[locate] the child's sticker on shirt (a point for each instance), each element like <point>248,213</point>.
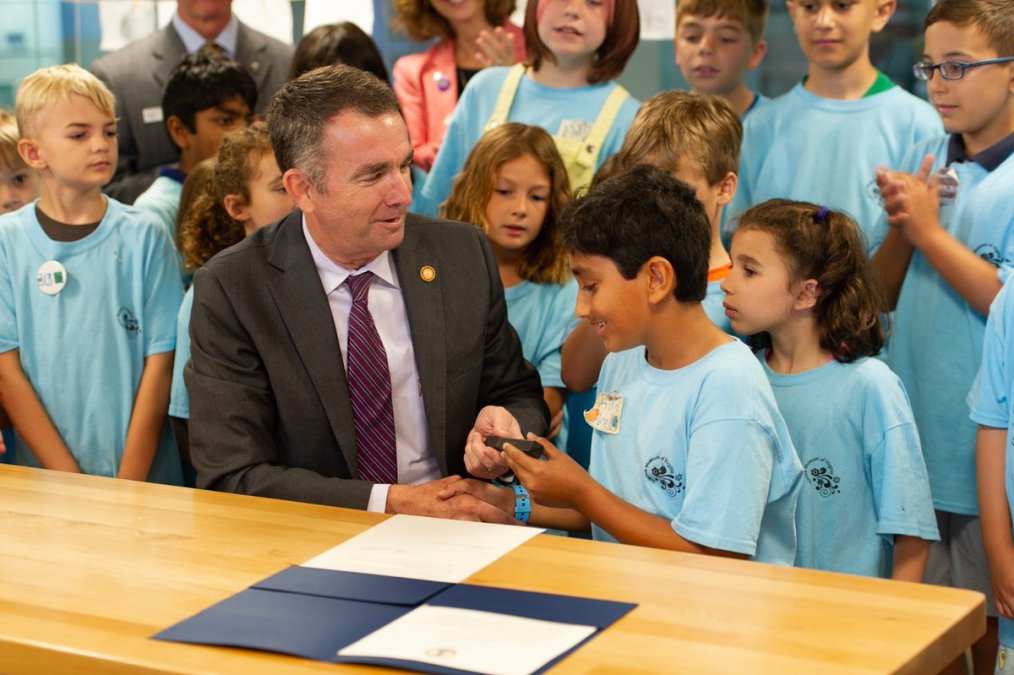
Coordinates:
<point>605,414</point>
<point>574,129</point>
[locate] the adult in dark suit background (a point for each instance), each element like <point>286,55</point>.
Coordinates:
<point>270,401</point>
<point>137,73</point>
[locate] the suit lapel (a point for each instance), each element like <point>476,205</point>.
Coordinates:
<point>249,52</point>
<point>425,307</point>
<point>168,51</point>
<point>305,311</point>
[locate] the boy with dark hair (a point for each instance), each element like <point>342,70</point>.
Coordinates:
<point>689,451</point>
<point>717,42</point>
<point>207,96</point>
<point>944,260</point>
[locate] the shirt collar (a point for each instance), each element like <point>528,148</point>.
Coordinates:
<point>192,40</point>
<point>989,159</point>
<point>332,275</point>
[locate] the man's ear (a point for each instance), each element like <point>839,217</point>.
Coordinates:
<point>661,278</point>
<point>28,150</point>
<point>178,132</point>
<point>299,187</point>
<point>807,295</point>
<point>237,207</point>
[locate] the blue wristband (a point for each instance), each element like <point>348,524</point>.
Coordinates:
<point>522,503</point>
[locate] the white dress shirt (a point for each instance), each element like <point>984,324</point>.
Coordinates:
<point>417,462</point>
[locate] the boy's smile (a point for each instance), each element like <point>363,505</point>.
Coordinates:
<point>616,307</point>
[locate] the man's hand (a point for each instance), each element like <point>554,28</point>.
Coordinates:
<point>912,202</point>
<point>558,481</point>
<point>495,48</point>
<point>481,460</point>
<point>425,500</point>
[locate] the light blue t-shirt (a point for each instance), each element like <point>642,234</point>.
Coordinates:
<point>179,398</point>
<point>826,151</point>
<point>991,401</point>
<point>84,348</point>
<point>543,316</point>
<point>564,112</point>
<point>162,200</point>
<point>936,345</point>
<point>704,446</point>
<point>852,427</point>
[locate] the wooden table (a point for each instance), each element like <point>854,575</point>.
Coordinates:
<point>91,567</point>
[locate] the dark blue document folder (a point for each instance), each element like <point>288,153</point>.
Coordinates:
<point>314,613</point>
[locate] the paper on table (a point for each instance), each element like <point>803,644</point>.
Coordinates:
<point>424,548</point>
<point>466,639</point>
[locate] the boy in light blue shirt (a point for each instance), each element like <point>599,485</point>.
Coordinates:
<point>689,451</point>
<point>206,96</point>
<point>949,249</point>
<point>89,291</point>
<point>993,410</point>
<point>822,141</point>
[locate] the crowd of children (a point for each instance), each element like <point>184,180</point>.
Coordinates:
<point>784,309</point>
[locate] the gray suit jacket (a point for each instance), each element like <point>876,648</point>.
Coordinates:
<point>137,75</point>
<point>269,405</point>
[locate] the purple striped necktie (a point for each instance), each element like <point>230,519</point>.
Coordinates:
<point>370,389</point>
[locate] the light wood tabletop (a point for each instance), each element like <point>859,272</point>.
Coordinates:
<point>91,567</point>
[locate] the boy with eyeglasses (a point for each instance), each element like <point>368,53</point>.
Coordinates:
<point>949,250</point>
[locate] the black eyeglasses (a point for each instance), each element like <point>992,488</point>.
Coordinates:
<point>951,70</point>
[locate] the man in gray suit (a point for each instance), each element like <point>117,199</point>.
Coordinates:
<point>137,74</point>
<point>272,409</point>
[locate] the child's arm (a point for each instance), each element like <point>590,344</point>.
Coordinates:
<point>910,554</point>
<point>504,499</point>
<point>554,397</point>
<point>582,357</point>
<point>30,417</point>
<point>913,206</point>
<point>561,483</point>
<point>991,466</point>
<point>148,417</point>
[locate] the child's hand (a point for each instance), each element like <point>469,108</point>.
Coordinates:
<point>496,48</point>
<point>557,481</point>
<point>912,202</point>
<point>1002,580</point>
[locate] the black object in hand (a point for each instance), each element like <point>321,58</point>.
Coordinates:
<point>530,448</point>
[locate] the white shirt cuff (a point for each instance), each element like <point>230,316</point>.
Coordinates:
<point>378,499</point>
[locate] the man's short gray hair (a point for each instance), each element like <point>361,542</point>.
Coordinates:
<point>302,108</point>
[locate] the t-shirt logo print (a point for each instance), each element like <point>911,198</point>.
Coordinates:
<point>128,321</point>
<point>820,474</point>
<point>660,471</point>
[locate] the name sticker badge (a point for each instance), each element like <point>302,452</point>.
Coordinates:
<point>51,277</point>
<point>152,115</point>
<point>605,414</point>
<point>574,129</point>
<point>947,185</point>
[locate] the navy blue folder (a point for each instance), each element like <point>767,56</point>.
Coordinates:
<point>314,613</point>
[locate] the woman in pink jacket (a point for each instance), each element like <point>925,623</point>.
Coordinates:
<point>474,34</point>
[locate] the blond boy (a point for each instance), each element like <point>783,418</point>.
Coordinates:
<point>88,296</point>
<point>717,42</point>
<point>19,184</point>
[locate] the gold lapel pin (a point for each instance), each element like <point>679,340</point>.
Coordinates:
<point>427,273</point>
